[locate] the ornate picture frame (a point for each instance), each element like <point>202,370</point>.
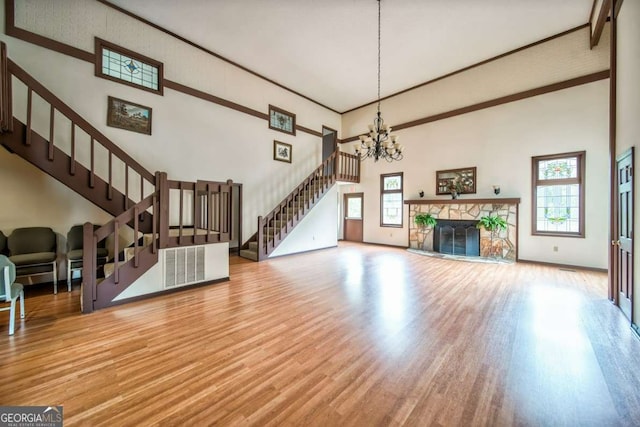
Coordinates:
<point>462,180</point>
<point>282,120</point>
<point>282,151</point>
<point>128,116</point>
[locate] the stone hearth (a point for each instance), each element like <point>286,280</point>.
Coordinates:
<point>505,243</point>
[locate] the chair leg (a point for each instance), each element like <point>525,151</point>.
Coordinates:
<point>12,319</point>
<point>68,276</point>
<point>22,312</point>
<point>55,277</point>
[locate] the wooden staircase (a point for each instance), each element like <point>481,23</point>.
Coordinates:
<point>280,222</point>
<point>138,199</point>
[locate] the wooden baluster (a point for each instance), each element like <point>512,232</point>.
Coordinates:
<point>136,212</point>
<point>51,122</point>
<point>110,186</point>
<point>116,251</point>
<point>260,239</point>
<point>92,175</point>
<point>162,188</point>
<point>29,114</point>
<point>193,215</point>
<point>88,272</point>
<point>142,187</point>
<point>210,215</point>
<point>72,162</point>
<point>126,187</point>
<point>154,221</point>
<point>180,186</point>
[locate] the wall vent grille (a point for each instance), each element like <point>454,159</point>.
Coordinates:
<point>183,266</point>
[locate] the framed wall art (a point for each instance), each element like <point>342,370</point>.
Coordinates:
<point>129,116</point>
<point>282,120</point>
<point>282,151</point>
<point>459,181</point>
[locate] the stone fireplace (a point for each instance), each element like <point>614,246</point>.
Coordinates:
<point>457,219</point>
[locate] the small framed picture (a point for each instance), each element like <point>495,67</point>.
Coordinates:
<point>282,120</point>
<point>282,151</point>
<point>129,116</point>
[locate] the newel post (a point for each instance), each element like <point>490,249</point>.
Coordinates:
<point>88,288</point>
<point>260,239</point>
<point>162,189</point>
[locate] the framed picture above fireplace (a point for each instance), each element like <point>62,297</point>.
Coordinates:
<point>461,181</point>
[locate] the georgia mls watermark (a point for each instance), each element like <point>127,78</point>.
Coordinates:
<point>30,416</point>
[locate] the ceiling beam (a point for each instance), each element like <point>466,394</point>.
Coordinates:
<point>605,7</point>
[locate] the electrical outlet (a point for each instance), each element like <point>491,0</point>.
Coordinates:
<point>555,249</point>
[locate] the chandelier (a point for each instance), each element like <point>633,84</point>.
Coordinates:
<point>379,143</point>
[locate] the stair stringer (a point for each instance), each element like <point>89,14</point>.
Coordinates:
<point>128,273</point>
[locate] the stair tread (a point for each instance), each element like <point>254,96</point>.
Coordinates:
<point>249,254</point>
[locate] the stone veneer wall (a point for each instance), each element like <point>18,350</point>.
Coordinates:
<point>504,242</point>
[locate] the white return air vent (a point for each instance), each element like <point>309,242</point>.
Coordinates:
<point>183,266</point>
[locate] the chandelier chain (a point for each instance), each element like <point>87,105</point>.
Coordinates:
<point>379,23</point>
<point>379,143</point>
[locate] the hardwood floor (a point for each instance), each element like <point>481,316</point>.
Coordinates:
<point>357,335</point>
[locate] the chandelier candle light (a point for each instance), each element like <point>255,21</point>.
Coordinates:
<point>379,143</point>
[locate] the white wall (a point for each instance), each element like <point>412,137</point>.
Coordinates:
<point>501,140</point>
<point>317,230</point>
<point>152,281</point>
<point>628,106</point>
<point>192,139</point>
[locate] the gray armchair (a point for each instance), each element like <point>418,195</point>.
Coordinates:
<point>74,252</point>
<point>33,251</point>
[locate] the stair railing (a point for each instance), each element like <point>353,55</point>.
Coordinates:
<point>348,167</point>
<point>199,213</point>
<point>91,297</point>
<point>58,108</point>
<point>278,223</point>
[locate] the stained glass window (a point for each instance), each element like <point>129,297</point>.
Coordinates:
<point>282,120</point>
<point>559,194</point>
<point>391,200</point>
<point>122,65</point>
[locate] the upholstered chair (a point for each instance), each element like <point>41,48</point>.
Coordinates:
<point>33,251</point>
<point>10,291</point>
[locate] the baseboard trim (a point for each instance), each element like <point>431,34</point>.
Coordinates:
<point>167,292</point>
<point>386,245</point>
<point>552,264</point>
<point>298,253</point>
<point>636,330</point>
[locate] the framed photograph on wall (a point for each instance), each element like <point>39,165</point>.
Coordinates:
<point>282,120</point>
<point>129,116</point>
<point>282,151</point>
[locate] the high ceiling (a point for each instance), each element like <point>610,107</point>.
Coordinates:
<point>327,49</point>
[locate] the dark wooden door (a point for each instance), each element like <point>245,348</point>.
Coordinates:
<point>329,145</point>
<point>353,206</point>
<point>624,243</point>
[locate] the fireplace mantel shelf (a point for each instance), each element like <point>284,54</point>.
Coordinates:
<point>496,200</point>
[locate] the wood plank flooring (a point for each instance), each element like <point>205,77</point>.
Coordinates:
<point>358,335</point>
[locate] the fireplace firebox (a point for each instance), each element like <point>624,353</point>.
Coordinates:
<point>457,237</point>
